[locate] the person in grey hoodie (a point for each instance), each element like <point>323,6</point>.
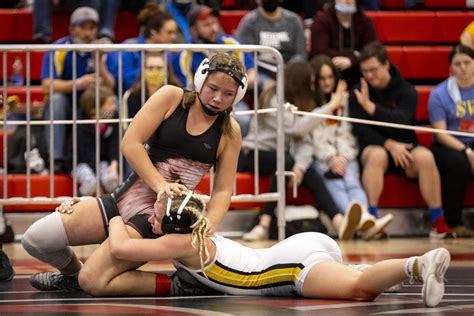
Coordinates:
<point>298,145</point>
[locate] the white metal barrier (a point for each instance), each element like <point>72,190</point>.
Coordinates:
<point>6,199</point>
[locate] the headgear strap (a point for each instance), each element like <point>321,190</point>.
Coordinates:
<point>181,206</point>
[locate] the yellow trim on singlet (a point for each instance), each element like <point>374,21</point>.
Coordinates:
<point>265,278</point>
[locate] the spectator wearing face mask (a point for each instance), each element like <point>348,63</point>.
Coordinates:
<point>156,27</point>
<point>154,79</point>
<point>341,31</point>
<point>271,25</point>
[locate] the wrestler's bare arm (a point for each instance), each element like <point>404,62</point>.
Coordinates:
<point>170,246</point>
<point>225,176</point>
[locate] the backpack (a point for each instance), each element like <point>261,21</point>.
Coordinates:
<point>299,219</point>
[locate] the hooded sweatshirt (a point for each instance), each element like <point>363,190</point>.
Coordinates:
<point>396,103</point>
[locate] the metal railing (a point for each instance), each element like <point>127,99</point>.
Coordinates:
<point>5,199</point>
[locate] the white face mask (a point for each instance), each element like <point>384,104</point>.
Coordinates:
<point>345,8</point>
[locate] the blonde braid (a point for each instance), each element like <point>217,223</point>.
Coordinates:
<point>199,241</point>
<point>199,233</point>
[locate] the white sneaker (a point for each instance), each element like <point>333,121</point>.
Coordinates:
<point>432,266</point>
<point>256,234</point>
<point>367,221</point>
<point>350,222</point>
<point>380,225</point>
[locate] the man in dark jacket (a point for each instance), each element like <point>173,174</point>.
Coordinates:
<point>383,95</point>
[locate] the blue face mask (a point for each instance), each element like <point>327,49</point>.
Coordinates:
<point>346,8</point>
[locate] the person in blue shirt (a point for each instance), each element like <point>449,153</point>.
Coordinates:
<point>84,24</point>
<point>450,108</point>
<point>158,27</point>
<point>206,29</point>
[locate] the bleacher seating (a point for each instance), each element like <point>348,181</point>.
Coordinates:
<point>437,26</point>
<point>417,41</point>
<point>17,25</point>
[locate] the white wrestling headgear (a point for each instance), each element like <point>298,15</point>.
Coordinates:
<point>205,67</point>
<point>183,223</point>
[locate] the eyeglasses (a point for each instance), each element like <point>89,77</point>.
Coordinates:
<point>370,70</point>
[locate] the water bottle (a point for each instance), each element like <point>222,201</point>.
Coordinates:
<point>17,78</point>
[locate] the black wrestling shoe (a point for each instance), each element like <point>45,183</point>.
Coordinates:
<point>184,283</point>
<point>54,281</point>
<point>6,270</point>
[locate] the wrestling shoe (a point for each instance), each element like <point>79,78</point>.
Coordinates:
<point>257,233</point>
<point>6,270</point>
<point>431,269</point>
<point>54,281</point>
<point>183,283</point>
<point>380,225</point>
<point>350,222</point>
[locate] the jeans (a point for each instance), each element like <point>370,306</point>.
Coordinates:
<point>62,110</point>
<point>108,12</point>
<point>346,189</point>
<point>311,180</point>
<point>42,10</point>
<point>243,120</point>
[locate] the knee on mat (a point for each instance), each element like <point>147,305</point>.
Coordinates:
<point>47,241</point>
<point>362,293</point>
<point>91,283</point>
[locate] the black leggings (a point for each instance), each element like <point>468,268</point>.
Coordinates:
<point>455,172</point>
<point>311,180</point>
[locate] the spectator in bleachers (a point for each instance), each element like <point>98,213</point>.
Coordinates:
<point>467,36</point>
<point>206,29</point>
<point>83,29</point>
<point>158,28</point>
<point>298,149</point>
<point>383,95</point>
<point>86,143</point>
<point>450,108</point>
<point>43,9</point>
<point>336,149</point>
<point>154,79</point>
<point>179,9</point>
<point>271,25</point>
<point>341,31</point>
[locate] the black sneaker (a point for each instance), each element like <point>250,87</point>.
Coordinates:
<point>6,270</point>
<point>54,281</point>
<point>184,283</point>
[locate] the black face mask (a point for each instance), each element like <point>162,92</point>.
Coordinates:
<point>207,110</point>
<point>270,5</point>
